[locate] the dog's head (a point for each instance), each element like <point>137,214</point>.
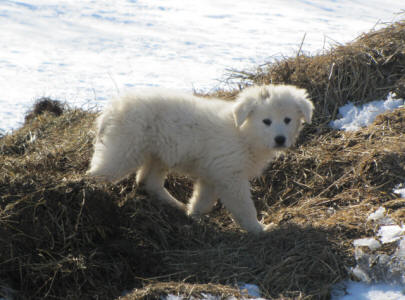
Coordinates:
<point>272,115</point>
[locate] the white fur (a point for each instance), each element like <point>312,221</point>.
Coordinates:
<point>220,144</point>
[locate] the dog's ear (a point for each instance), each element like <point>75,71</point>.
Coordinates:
<point>246,102</point>
<point>306,108</point>
<point>242,110</point>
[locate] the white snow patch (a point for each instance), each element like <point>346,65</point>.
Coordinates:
<point>382,276</point>
<point>354,117</point>
<point>363,291</point>
<point>391,233</point>
<point>377,215</point>
<point>400,190</point>
<point>380,218</point>
<point>372,243</point>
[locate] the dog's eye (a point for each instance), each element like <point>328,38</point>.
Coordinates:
<point>267,122</point>
<point>287,120</point>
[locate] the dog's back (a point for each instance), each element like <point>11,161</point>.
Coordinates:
<point>173,127</point>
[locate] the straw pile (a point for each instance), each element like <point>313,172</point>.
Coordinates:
<point>63,236</point>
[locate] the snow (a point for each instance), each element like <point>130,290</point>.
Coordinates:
<point>371,243</point>
<point>400,190</point>
<point>380,218</point>
<point>377,215</point>
<point>382,276</point>
<point>354,117</point>
<point>391,233</point>
<point>364,291</point>
<point>85,52</point>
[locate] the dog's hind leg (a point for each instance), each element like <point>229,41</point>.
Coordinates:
<point>143,172</point>
<point>203,199</point>
<point>114,159</point>
<point>152,177</point>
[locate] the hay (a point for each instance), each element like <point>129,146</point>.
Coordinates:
<point>185,290</point>
<point>45,104</point>
<point>65,236</point>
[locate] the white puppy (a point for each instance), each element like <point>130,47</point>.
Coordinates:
<point>220,144</point>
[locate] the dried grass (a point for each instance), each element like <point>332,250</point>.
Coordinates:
<point>156,289</point>
<point>63,236</point>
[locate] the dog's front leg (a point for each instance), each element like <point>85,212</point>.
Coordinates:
<point>237,199</point>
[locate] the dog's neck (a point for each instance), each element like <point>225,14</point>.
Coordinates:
<point>258,160</point>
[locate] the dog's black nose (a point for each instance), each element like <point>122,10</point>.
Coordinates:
<point>280,140</point>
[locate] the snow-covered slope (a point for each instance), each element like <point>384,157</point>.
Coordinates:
<point>84,52</point>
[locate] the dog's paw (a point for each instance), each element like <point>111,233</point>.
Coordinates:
<point>195,216</point>
<point>269,227</point>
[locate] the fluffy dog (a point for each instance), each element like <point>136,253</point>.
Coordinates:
<point>220,144</point>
